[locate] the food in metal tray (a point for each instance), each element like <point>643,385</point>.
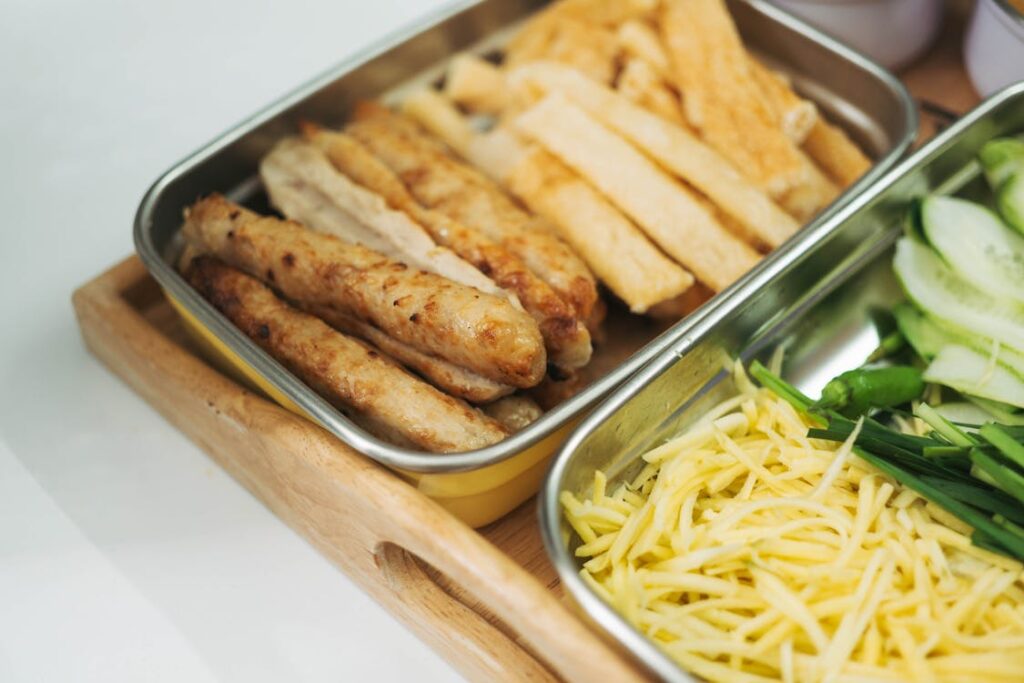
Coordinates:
<point>876,533</point>
<point>752,548</point>
<point>358,378</point>
<point>470,235</point>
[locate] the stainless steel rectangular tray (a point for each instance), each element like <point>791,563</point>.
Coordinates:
<point>869,102</point>
<point>814,296</point>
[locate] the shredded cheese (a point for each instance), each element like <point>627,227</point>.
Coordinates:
<point>752,553</point>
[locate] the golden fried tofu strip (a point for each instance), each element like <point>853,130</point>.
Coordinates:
<point>370,388</point>
<point>591,49</point>
<point>606,12</point>
<point>669,213</point>
<point>618,252</point>
<point>807,199</point>
<point>578,42</point>
<point>463,325</point>
<point>305,187</point>
<point>671,146</point>
<point>639,83</point>
<point>476,84</point>
<point>534,39</point>
<point>440,118</point>
<point>721,98</point>
<point>795,115</point>
<point>566,338</point>
<point>640,41</point>
<point>682,305</point>
<point>837,155</point>
<point>450,378</point>
<point>464,194</point>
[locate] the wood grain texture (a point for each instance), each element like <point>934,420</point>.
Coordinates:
<point>488,602</point>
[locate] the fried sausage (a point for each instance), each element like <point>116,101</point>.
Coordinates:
<point>567,339</point>
<point>478,331</point>
<point>448,377</point>
<point>359,380</point>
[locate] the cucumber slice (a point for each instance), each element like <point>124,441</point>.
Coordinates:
<point>963,413</point>
<point>1001,158</point>
<point>920,331</point>
<point>970,372</point>
<point>976,244</point>
<point>927,337</point>
<point>1010,200</point>
<point>1002,413</point>
<point>942,294</point>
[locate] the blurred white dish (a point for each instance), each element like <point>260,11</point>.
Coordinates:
<point>891,32</point>
<point>994,47</point>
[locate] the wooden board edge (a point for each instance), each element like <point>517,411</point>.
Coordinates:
<point>368,522</point>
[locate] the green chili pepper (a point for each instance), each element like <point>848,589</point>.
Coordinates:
<point>855,392</point>
<point>891,344</point>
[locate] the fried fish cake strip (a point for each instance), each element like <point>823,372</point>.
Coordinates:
<point>673,147</point>
<point>720,96</point>
<point>618,252</point>
<point>837,155</point>
<point>668,212</point>
<point>795,115</point>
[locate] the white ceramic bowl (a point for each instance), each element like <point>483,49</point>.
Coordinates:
<point>994,47</point>
<point>891,32</point>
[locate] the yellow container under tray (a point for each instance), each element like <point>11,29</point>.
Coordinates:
<point>477,497</point>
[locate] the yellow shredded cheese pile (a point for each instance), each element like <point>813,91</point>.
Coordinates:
<point>752,553</point>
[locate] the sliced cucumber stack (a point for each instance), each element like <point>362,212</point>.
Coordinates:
<point>976,244</point>
<point>1001,158</point>
<point>1010,200</point>
<point>973,373</point>
<point>948,298</point>
<point>1003,162</point>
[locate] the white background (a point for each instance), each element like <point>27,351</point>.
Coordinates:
<point>125,554</point>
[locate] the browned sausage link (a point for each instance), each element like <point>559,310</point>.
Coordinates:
<point>478,331</point>
<point>462,193</point>
<point>448,377</point>
<point>347,372</point>
<point>567,339</point>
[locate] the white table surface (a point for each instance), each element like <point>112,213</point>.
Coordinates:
<point>125,554</point>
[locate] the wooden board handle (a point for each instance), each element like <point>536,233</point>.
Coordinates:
<point>429,569</point>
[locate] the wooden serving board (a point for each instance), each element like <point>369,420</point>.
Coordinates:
<point>486,600</point>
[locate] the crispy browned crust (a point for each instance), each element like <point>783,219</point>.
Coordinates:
<point>721,98</point>
<point>440,182</point>
<point>366,385</point>
<point>469,328</point>
<point>448,377</point>
<point>566,338</point>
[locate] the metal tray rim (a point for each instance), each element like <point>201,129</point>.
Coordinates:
<point>549,512</point>
<point>420,461</point>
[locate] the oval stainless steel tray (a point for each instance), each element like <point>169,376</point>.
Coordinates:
<point>867,101</point>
